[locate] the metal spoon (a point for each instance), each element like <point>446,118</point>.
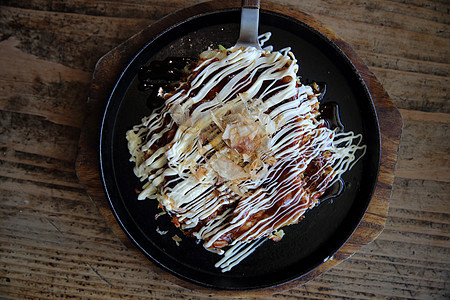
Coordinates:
<point>248,36</point>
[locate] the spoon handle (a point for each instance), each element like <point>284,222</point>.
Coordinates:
<point>248,35</point>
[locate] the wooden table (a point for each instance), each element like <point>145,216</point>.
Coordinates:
<point>55,243</point>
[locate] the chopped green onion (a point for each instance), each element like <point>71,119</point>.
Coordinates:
<point>222,48</point>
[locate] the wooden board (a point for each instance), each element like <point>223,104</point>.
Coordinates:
<point>55,243</point>
<point>111,65</point>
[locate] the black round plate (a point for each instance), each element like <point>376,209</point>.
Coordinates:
<point>306,245</point>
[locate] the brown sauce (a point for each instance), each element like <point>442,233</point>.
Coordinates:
<point>330,113</point>
<point>333,191</point>
<point>161,74</point>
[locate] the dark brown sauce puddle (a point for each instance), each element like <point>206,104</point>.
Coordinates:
<point>161,76</point>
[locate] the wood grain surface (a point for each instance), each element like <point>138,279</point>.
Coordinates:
<point>54,242</point>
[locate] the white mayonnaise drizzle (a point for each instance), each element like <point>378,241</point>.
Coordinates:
<point>241,151</point>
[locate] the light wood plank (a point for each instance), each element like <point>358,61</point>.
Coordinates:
<point>425,147</point>
<point>68,39</point>
<point>34,134</point>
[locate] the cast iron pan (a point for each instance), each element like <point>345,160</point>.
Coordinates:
<point>306,245</point>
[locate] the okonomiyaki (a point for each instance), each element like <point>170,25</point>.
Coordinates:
<point>238,150</point>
